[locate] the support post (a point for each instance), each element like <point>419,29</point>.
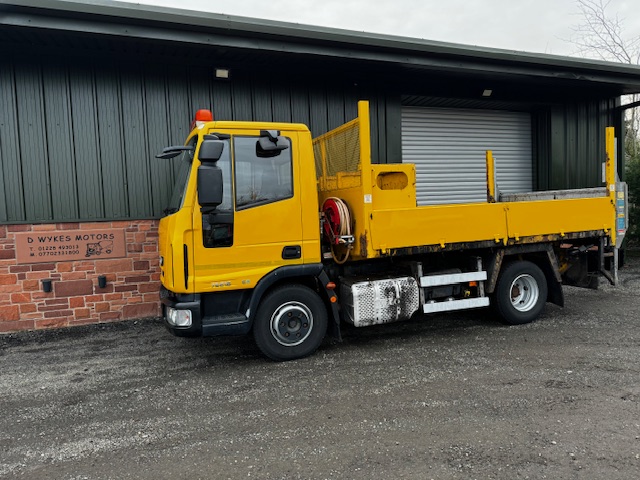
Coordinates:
<point>491,178</point>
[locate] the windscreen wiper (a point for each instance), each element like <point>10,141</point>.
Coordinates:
<point>170,210</point>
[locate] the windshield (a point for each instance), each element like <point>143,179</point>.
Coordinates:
<point>182,168</point>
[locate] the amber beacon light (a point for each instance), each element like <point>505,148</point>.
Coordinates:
<point>202,116</point>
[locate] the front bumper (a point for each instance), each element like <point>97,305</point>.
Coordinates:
<point>189,303</point>
<point>209,325</point>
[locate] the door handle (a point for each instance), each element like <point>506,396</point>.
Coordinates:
<point>291,252</point>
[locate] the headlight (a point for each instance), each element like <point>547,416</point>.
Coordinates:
<point>179,318</point>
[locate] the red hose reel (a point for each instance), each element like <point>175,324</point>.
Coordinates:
<point>332,221</point>
<point>336,228</point>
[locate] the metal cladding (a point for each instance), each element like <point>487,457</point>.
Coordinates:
<point>89,92</point>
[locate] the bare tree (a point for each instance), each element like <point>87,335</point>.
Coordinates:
<point>602,35</point>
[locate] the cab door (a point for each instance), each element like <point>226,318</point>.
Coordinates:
<point>258,228</point>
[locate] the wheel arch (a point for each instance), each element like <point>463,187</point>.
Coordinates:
<point>312,276</point>
<point>542,255</point>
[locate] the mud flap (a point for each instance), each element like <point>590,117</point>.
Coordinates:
<point>551,271</point>
<point>333,327</point>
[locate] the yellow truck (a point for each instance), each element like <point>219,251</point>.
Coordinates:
<point>272,232</point>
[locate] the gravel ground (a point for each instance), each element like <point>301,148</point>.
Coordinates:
<point>447,396</point>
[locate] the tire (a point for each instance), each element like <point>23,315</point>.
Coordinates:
<point>521,293</point>
<point>290,323</point>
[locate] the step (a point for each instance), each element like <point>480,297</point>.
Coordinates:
<point>452,278</point>
<point>448,306</point>
<point>228,319</point>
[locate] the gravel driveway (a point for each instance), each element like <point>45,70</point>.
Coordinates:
<point>447,396</point>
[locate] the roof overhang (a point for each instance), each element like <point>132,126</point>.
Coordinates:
<point>135,21</point>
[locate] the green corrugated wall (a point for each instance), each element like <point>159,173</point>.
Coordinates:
<point>78,138</point>
<point>570,146</point>
<point>77,141</point>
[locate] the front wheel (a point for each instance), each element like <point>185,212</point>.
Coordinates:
<point>290,323</point>
<point>521,293</point>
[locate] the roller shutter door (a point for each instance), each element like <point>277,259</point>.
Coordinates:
<point>448,147</point>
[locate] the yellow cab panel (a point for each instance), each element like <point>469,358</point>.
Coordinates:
<point>259,225</point>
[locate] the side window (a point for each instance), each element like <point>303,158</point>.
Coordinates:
<point>217,226</point>
<point>261,180</point>
<point>225,165</point>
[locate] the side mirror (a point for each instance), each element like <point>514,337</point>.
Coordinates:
<point>174,151</point>
<point>209,185</point>
<point>271,143</point>
<point>210,150</point>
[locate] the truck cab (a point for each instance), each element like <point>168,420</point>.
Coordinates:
<point>242,208</point>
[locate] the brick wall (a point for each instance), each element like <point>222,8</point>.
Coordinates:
<point>132,282</point>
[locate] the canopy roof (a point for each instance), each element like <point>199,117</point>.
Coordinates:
<point>31,21</point>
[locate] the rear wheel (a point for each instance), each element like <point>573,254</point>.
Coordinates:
<point>521,293</point>
<point>290,323</point>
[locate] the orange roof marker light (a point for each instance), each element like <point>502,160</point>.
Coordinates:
<point>202,116</point>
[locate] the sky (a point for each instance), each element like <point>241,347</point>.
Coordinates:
<point>541,26</point>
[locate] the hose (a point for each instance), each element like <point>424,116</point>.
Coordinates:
<point>344,225</point>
